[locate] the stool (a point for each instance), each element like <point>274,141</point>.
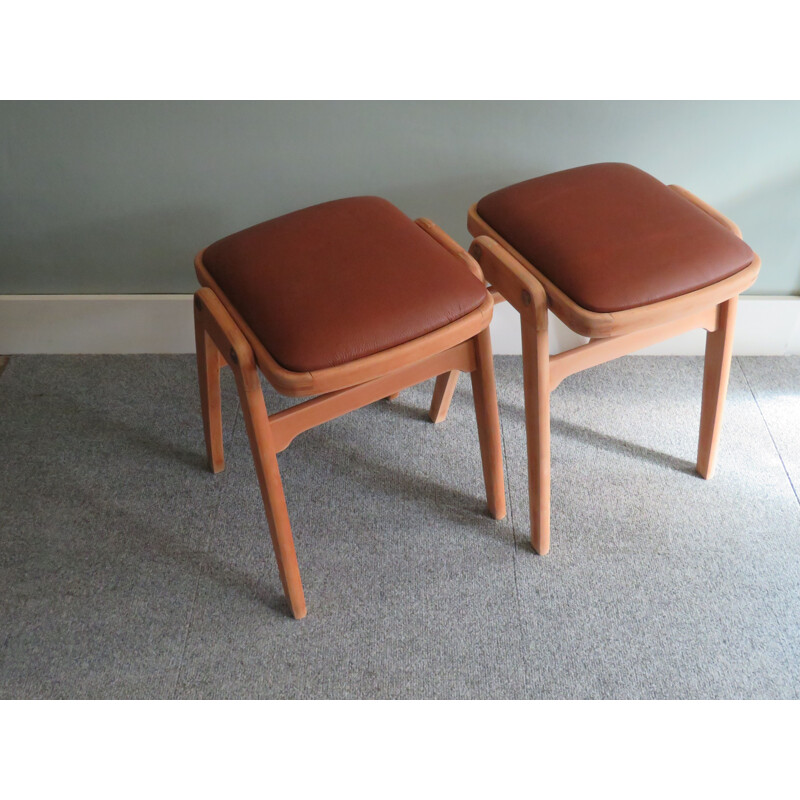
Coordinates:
<point>349,301</point>
<point>621,259</point>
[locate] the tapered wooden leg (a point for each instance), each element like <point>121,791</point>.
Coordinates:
<point>393,396</point>
<point>269,480</point>
<point>485,395</point>
<point>209,362</point>
<point>442,395</point>
<point>215,326</point>
<point>719,348</point>
<point>536,378</point>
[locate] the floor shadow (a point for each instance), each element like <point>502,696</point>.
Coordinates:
<point>592,438</point>
<point>400,409</point>
<point>70,413</point>
<point>613,444</point>
<point>446,502</point>
<point>120,534</point>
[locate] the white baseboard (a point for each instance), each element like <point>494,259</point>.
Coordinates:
<point>765,326</point>
<point>163,323</point>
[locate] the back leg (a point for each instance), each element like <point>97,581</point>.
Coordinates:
<point>442,395</point>
<point>209,361</point>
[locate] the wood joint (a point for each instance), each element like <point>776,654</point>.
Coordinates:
<point>512,280</point>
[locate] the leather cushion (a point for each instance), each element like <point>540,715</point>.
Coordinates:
<point>338,281</point>
<point>612,237</point>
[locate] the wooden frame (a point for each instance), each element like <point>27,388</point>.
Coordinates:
<point>596,324</point>
<point>611,335</point>
<point>222,337</point>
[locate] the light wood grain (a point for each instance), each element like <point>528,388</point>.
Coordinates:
<point>598,351</point>
<point>485,398</point>
<point>716,371</point>
<point>209,361</point>
<point>303,384</point>
<point>612,335</point>
<point>442,395</point>
<point>597,325</point>
<point>222,336</point>
<point>292,421</point>
<point>536,382</point>
<point>512,280</point>
<point>222,330</point>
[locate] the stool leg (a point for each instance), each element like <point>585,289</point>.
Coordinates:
<point>485,396</point>
<point>269,480</point>
<point>719,349</point>
<point>209,361</point>
<point>442,395</point>
<point>215,326</point>
<point>536,378</point>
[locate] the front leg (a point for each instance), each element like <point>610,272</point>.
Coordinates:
<point>717,369</point>
<point>516,284</point>
<point>217,325</point>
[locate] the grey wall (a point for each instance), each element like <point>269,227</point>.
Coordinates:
<point>106,197</point>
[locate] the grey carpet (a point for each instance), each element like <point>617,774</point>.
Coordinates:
<point>128,570</point>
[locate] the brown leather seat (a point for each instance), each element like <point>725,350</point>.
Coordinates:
<point>612,237</point>
<point>340,281</point>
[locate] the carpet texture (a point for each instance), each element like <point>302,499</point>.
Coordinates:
<point>128,570</point>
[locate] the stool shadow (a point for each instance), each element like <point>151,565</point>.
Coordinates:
<point>593,438</point>
<point>449,503</point>
<point>405,410</point>
<point>612,444</point>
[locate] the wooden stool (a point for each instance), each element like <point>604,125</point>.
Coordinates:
<point>622,259</point>
<point>350,301</point>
